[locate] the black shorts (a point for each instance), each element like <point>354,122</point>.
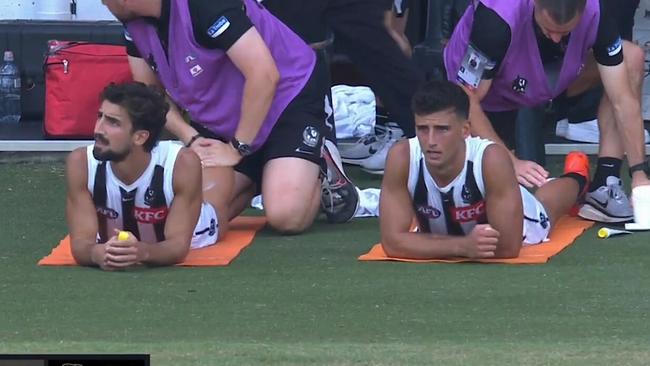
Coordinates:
<point>298,133</point>
<point>624,14</point>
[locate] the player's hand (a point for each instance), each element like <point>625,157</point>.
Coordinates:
<point>481,243</point>
<point>529,173</point>
<point>214,153</point>
<point>122,253</point>
<point>99,257</point>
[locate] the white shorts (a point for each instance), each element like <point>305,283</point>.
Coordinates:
<point>537,225</point>
<point>206,231</point>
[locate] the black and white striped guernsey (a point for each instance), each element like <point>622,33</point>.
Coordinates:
<point>140,207</point>
<point>459,206</point>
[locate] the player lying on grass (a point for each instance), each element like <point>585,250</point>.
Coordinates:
<point>129,181</point>
<point>463,190</point>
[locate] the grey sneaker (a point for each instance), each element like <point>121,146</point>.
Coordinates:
<point>376,162</point>
<point>339,196</point>
<point>356,152</point>
<point>608,203</point>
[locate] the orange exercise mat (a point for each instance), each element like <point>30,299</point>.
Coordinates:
<point>241,234</point>
<point>563,234</point>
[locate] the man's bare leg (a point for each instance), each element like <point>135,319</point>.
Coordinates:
<point>244,192</point>
<point>611,139</point>
<point>291,189</point>
<point>606,200</point>
<point>217,190</point>
<point>558,196</point>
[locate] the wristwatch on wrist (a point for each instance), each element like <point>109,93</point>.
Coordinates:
<point>641,167</point>
<point>194,138</point>
<point>242,148</point>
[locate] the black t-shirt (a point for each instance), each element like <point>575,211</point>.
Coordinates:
<point>305,17</point>
<point>494,43</point>
<point>216,24</point>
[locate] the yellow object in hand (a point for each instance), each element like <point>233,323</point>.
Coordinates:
<point>123,236</point>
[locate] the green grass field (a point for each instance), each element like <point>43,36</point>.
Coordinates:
<point>306,300</point>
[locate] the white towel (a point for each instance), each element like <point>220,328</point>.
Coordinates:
<point>354,110</point>
<point>368,203</point>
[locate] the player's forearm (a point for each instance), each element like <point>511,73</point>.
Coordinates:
<point>630,127</point>
<point>508,248</point>
<point>423,246</point>
<point>506,217</point>
<point>259,91</point>
<point>164,253</point>
<point>509,224</point>
<point>86,252</point>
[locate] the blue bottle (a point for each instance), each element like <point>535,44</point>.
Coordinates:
<point>9,90</point>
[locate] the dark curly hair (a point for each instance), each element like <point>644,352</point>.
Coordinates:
<point>146,106</point>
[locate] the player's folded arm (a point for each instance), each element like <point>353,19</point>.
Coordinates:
<point>395,207</point>
<point>81,213</point>
<point>503,200</point>
<point>183,213</point>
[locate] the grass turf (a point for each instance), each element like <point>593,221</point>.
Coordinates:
<point>305,299</point>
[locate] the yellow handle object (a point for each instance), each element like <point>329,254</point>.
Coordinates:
<point>607,232</point>
<point>602,233</point>
<point>123,236</point>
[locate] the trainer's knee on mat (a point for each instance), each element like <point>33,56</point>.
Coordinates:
<point>288,222</point>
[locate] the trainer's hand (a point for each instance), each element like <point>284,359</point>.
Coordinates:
<point>202,147</point>
<point>481,243</point>
<point>214,153</point>
<point>529,173</point>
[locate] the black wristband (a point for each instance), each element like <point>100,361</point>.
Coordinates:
<point>194,138</point>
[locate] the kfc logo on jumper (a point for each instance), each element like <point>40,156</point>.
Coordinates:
<point>150,215</point>
<point>469,213</point>
<point>429,212</point>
